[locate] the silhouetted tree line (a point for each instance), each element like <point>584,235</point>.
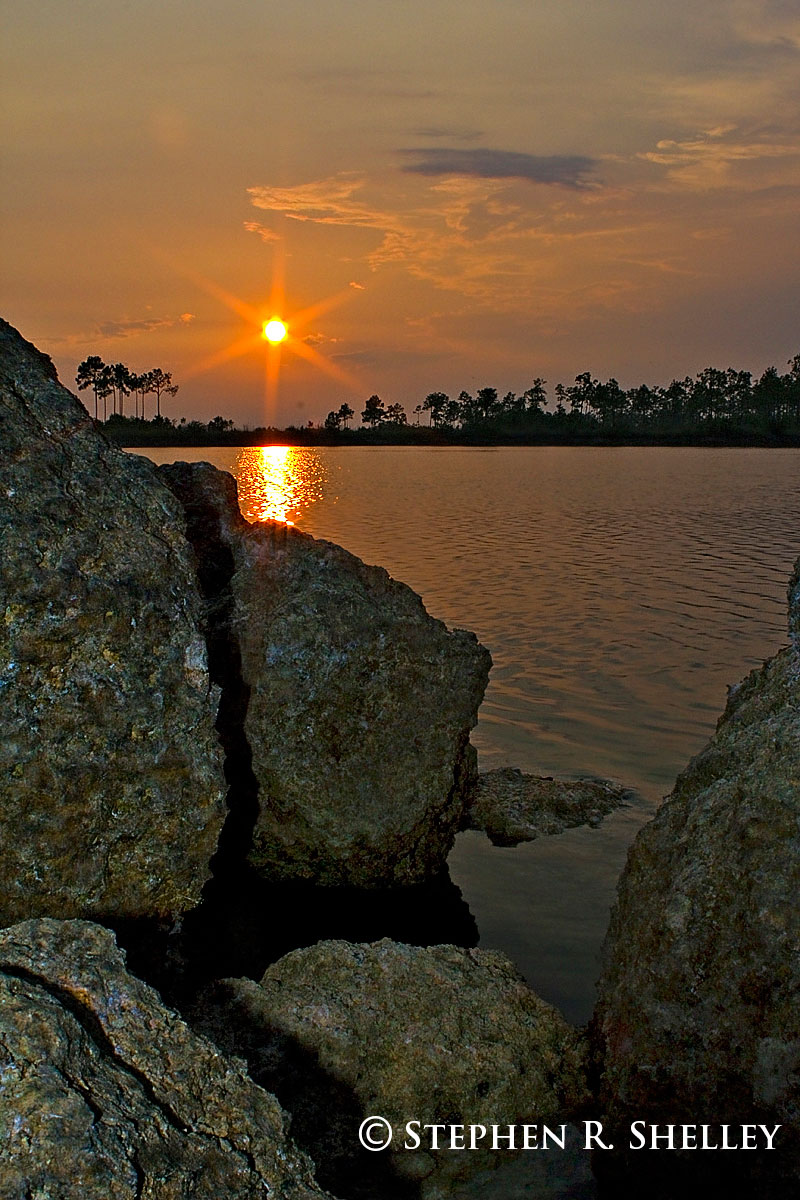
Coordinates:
<point>118,382</point>
<point>713,401</point>
<point>715,406</point>
<point>723,403</point>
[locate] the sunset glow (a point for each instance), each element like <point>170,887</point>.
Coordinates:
<point>640,224</point>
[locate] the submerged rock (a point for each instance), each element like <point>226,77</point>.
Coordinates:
<point>357,704</point>
<point>110,773</point>
<point>107,1095</point>
<point>698,1011</point>
<point>434,1034</point>
<point>511,807</point>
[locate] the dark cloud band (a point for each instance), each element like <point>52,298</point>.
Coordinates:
<point>567,170</point>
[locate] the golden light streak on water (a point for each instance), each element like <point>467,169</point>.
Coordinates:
<point>278,483</point>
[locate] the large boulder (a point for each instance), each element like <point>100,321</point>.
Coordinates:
<point>111,789</point>
<point>698,1013</point>
<point>433,1034</point>
<point>107,1095</point>
<point>358,704</point>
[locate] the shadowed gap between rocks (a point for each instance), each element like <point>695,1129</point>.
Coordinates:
<point>243,922</point>
<point>215,567</point>
<point>325,1113</point>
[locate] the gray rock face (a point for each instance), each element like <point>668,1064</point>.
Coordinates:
<point>110,774</point>
<point>511,807</point>
<point>435,1034</point>
<point>360,704</point>
<point>107,1095</point>
<point>794,606</point>
<point>698,1010</point>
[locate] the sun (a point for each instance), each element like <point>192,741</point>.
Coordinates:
<point>291,337</point>
<point>274,331</point>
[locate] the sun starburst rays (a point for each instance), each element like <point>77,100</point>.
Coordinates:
<point>245,344</point>
<point>334,370</point>
<point>270,329</point>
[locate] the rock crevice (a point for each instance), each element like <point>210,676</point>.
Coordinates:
<point>209,528</point>
<point>358,703</point>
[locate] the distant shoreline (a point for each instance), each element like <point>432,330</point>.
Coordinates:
<point>413,436</point>
<point>715,409</point>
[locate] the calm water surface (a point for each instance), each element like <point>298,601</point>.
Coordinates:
<point>620,592</point>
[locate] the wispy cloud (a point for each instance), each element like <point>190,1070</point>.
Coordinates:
<point>266,234</point>
<point>727,157</point>
<point>126,329</point>
<point>107,331</point>
<point>492,240</point>
<point>319,339</point>
<point>328,201</point>
<point>568,170</point>
<point>123,329</point>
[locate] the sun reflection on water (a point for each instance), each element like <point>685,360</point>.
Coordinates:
<point>279,483</point>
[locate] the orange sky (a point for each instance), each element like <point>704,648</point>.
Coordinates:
<point>488,192</point>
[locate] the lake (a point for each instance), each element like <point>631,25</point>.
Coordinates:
<point>619,590</point>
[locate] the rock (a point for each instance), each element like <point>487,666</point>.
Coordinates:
<point>110,773</point>
<point>794,606</point>
<point>359,705</point>
<point>435,1034</point>
<point>511,807</point>
<point>698,1005</point>
<point>107,1095</point>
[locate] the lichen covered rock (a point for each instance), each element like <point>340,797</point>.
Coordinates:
<point>434,1034</point>
<point>110,773</point>
<point>511,807</point>
<point>107,1095</point>
<point>360,703</point>
<point>698,1008</point>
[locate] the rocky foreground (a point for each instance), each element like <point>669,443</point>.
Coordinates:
<point>112,784</point>
<point>159,653</point>
<point>106,1093</point>
<point>425,1033</point>
<point>699,1000</point>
